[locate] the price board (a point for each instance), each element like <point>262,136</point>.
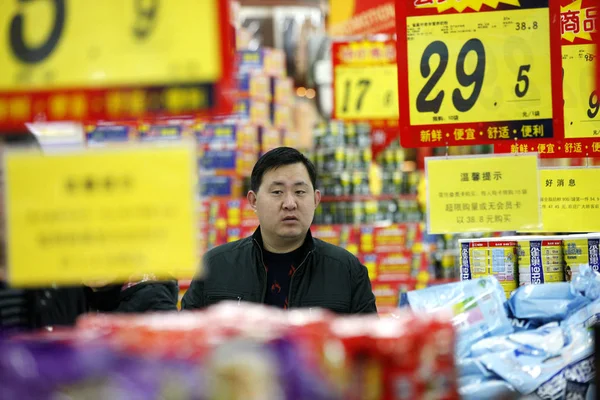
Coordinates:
<point>101,215</point>
<point>365,86</point>
<point>581,101</point>
<point>482,193</point>
<point>477,71</point>
<point>113,59</point>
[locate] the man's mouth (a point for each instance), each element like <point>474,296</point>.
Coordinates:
<point>290,218</point>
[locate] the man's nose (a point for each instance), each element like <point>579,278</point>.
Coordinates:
<point>289,202</point>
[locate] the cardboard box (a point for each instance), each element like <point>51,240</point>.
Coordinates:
<point>254,111</point>
<point>268,61</point>
<point>255,86</point>
<point>282,90</point>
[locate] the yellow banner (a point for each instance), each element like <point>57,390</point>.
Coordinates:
<point>74,43</point>
<point>482,194</point>
<point>105,215</point>
<point>570,200</point>
<point>479,67</point>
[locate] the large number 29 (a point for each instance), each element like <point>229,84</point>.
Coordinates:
<point>476,78</point>
<point>33,54</point>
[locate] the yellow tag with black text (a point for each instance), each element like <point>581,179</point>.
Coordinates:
<point>479,67</point>
<point>101,215</point>
<point>494,193</point>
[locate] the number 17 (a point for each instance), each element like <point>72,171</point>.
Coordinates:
<point>363,86</point>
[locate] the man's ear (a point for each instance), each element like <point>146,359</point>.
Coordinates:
<point>251,196</point>
<point>317,198</point>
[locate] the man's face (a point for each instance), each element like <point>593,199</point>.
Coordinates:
<point>285,202</point>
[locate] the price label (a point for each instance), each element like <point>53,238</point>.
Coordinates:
<point>96,215</point>
<point>77,60</point>
<point>570,200</point>
<point>365,81</point>
<point>482,194</point>
<point>475,76</point>
<point>580,102</point>
<point>70,43</point>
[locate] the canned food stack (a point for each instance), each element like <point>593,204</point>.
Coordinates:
<point>540,260</point>
<point>580,250</point>
<point>490,257</point>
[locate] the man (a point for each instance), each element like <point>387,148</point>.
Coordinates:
<point>281,264</point>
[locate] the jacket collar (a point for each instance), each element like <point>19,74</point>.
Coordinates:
<point>308,245</point>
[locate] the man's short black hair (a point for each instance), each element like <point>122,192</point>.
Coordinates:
<point>279,157</point>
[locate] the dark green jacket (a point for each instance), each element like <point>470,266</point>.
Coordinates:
<point>329,277</point>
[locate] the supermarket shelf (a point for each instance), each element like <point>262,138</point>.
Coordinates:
<point>382,197</point>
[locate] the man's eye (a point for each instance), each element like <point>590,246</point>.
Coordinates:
<point>276,192</point>
<point>300,192</point>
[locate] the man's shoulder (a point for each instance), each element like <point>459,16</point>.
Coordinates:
<point>328,250</point>
<point>229,248</point>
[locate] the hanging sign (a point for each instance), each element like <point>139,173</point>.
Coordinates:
<point>581,101</point>
<point>112,59</point>
<point>101,215</point>
<point>482,193</point>
<point>365,86</point>
<point>477,71</point>
<point>570,199</point>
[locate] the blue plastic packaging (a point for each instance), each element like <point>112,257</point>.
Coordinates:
<point>477,307</point>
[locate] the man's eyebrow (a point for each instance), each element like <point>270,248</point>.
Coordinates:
<point>279,183</point>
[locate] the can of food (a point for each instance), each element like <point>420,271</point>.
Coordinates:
<point>490,257</point>
<point>581,250</point>
<point>540,260</point>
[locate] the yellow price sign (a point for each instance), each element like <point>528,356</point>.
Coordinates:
<point>476,72</point>
<point>570,200</point>
<point>491,66</point>
<point>365,81</point>
<point>101,215</point>
<point>482,194</point>
<point>581,100</point>
<point>79,44</point>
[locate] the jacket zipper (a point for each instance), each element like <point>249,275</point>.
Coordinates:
<point>292,279</point>
<point>262,262</point>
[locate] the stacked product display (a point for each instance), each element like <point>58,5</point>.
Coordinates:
<point>529,260</point>
<point>538,343</point>
<point>233,351</point>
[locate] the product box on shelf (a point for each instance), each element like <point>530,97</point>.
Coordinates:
<point>387,294</point>
<point>239,161</point>
<point>282,116</point>
<point>254,85</point>
<point>268,61</point>
<point>165,131</point>
<point>220,185</point>
<point>268,138</point>
<point>105,134</point>
<point>230,135</point>
<point>282,90</point>
<point>393,266</point>
<point>257,112</point>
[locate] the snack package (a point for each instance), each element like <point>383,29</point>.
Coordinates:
<point>477,307</point>
<point>555,302</point>
<point>550,362</point>
<point>585,317</point>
